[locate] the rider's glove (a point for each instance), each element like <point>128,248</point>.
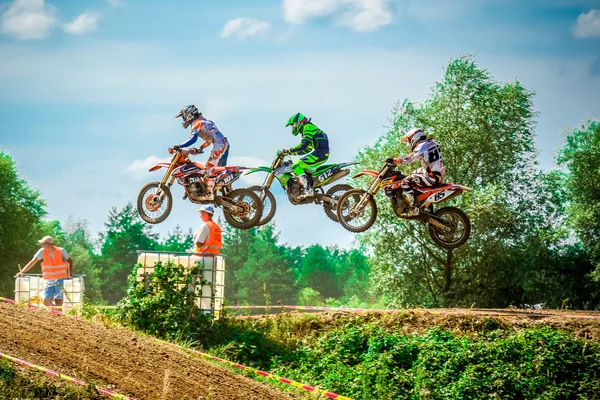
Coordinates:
<point>391,160</point>
<point>176,147</point>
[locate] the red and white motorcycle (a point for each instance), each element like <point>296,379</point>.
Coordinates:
<point>449,227</point>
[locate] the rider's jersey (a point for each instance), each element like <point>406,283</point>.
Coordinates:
<point>313,140</point>
<point>428,152</point>
<point>207,130</point>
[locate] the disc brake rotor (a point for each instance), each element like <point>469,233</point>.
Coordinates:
<point>151,203</point>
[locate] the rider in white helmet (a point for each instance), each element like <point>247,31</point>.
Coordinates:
<point>432,171</point>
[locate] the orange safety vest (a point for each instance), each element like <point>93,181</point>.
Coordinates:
<point>56,269</point>
<point>214,243</point>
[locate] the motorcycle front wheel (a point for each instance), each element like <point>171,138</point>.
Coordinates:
<point>460,228</point>
<point>250,209</point>
<point>154,202</point>
<point>356,220</point>
<point>269,204</point>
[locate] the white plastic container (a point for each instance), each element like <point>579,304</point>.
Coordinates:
<point>73,291</point>
<point>22,289</point>
<point>209,297</point>
<point>149,259</point>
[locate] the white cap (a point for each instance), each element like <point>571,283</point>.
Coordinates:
<point>207,208</point>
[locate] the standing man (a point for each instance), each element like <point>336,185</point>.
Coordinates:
<point>57,266</point>
<point>208,239</point>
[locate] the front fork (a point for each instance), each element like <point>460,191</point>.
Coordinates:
<point>266,185</point>
<point>168,176</point>
<point>372,191</point>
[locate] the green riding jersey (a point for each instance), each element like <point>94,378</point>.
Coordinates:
<point>315,142</point>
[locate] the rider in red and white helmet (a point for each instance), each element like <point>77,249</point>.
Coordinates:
<point>432,171</point>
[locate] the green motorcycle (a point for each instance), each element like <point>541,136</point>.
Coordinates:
<point>317,178</point>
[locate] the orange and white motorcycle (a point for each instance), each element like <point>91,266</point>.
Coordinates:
<point>449,227</point>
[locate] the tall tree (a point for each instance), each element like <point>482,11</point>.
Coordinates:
<point>125,234</point>
<point>21,210</point>
<point>236,248</point>
<point>319,271</point>
<point>266,276</point>
<point>485,131</point>
<point>177,241</point>
<point>581,157</point>
<point>77,241</point>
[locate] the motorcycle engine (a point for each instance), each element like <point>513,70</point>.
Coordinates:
<point>294,190</point>
<point>196,188</point>
<point>399,205</point>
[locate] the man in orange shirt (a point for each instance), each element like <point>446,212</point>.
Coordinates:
<point>208,239</point>
<point>57,266</point>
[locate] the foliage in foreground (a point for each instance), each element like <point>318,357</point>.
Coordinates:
<point>366,357</point>
<point>367,361</point>
<point>16,384</point>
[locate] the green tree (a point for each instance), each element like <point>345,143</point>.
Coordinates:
<point>125,234</point>
<point>266,275</point>
<point>77,241</point>
<point>319,271</point>
<point>485,131</point>
<point>177,241</point>
<point>21,210</point>
<point>581,157</point>
<point>236,248</point>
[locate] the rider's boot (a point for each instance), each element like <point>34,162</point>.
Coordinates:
<point>409,196</point>
<point>210,186</point>
<point>308,191</point>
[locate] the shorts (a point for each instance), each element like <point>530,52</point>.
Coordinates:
<point>53,289</point>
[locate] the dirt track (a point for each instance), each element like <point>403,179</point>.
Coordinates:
<point>119,359</point>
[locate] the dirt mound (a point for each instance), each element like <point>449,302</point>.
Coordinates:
<point>583,324</point>
<point>119,359</point>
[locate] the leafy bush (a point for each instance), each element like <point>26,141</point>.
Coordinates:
<point>16,384</point>
<point>163,306</point>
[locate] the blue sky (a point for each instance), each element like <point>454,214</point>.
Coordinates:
<point>88,90</point>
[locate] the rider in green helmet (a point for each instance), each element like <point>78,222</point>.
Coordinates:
<point>314,147</point>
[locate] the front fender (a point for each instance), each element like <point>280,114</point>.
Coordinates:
<point>259,169</point>
<point>159,166</point>
<point>369,172</point>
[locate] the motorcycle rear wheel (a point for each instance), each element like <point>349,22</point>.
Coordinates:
<point>331,208</point>
<point>151,209</point>
<point>251,204</point>
<point>458,221</point>
<point>345,205</point>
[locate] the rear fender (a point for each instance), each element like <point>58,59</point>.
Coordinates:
<point>259,169</point>
<point>228,177</point>
<point>438,196</point>
<point>368,172</point>
<point>159,166</point>
<point>346,164</point>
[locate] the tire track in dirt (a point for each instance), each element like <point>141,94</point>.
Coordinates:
<point>120,359</point>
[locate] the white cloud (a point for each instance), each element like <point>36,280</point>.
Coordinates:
<point>84,23</point>
<point>29,19</point>
<point>138,169</point>
<point>116,3</point>
<point>359,15</point>
<point>243,27</point>
<point>252,162</point>
<point>588,24</point>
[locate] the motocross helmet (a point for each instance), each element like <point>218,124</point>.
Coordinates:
<point>414,137</point>
<point>189,114</point>
<point>297,121</point>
